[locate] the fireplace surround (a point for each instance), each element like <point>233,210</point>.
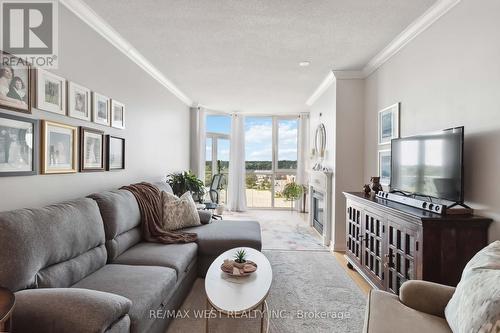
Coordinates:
<point>320,205</point>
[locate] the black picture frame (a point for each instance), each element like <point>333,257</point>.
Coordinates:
<point>108,153</point>
<point>84,130</point>
<point>35,153</point>
<point>28,86</point>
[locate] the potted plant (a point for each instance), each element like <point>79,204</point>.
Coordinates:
<point>182,182</point>
<point>240,258</point>
<point>292,192</point>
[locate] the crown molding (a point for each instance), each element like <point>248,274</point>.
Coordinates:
<point>89,16</point>
<point>431,15</point>
<point>327,82</point>
<point>349,75</point>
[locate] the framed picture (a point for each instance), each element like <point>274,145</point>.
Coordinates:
<point>18,146</point>
<point>59,148</point>
<point>91,150</point>
<point>101,109</point>
<point>78,101</point>
<point>388,124</point>
<point>115,153</point>
<point>50,92</point>
<point>384,166</point>
<point>117,114</point>
<point>15,84</point>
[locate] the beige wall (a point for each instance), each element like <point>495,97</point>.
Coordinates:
<point>348,150</point>
<point>157,134</point>
<point>342,109</point>
<point>449,76</point>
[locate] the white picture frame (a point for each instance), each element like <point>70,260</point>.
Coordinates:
<point>384,166</point>
<point>79,105</point>
<point>117,114</point>
<point>388,124</point>
<point>99,115</point>
<point>50,92</point>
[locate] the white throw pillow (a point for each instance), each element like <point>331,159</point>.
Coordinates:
<point>475,305</point>
<point>180,212</point>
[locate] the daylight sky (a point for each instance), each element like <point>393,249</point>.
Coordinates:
<point>258,138</point>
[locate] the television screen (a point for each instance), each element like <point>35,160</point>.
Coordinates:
<point>429,165</point>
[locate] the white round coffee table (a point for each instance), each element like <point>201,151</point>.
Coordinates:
<point>234,296</point>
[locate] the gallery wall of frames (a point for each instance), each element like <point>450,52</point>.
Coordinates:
<point>31,146</point>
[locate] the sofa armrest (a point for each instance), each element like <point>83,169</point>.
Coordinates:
<point>68,310</point>
<point>205,216</point>
<point>426,296</point>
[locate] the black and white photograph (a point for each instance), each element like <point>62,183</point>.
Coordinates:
<point>388,124</point>
<point>18,146</point>
<point>115,153</point>
<point>91,150</point>
<point>117,115</point>
<point>101,109</point>
<point>384,166</point>
<point>59,148</point>
<point>50,92</point>
<point>15,83</point>
<point>78,101</point>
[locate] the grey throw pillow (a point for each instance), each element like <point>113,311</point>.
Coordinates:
<point>180,212</point>
<point>475,305</point>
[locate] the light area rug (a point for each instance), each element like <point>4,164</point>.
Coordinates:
<point>283,230</point>
<point>310,293</point>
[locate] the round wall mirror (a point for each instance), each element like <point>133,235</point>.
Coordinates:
<point>320,140</point>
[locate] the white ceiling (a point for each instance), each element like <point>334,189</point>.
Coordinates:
<point>237,55</point>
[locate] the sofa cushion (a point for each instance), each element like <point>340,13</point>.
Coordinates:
<point>69,310</point>
<point>178,212</point>
<point>475,305</point>
<point>386,314</point>
<point>146,286</point>
<point>50,236</point>
<point>176,256</point>
<point>120,213</point>
<point>218,237</point>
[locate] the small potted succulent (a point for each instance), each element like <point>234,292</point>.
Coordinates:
<point>240,258</point>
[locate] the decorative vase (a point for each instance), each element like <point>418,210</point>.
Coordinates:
<point>220,209</point>
<point>376,186</point>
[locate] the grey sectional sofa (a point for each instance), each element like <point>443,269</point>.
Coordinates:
<point>81,266</point>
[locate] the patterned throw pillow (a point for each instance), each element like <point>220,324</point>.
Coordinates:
<point>475,305</point>
<point>180,212</point>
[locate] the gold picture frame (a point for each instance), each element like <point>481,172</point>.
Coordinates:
<point>59,153</point>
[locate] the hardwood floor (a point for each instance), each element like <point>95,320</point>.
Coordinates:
<point>355,276</point>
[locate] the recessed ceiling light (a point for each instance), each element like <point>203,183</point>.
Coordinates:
<point>304,63</point>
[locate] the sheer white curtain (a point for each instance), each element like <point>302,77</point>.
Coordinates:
<point>303,151</point>
<point>198,137</point>
<point>236,182</point>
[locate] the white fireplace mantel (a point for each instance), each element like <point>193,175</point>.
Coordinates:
<point>321,182</point>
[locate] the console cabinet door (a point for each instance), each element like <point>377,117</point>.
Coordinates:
<point>353,234</point>
<point>402,253</point>
<point>374,247</point>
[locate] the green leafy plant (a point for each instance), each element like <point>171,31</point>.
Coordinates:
<point>182,182</point>
<point>292,192</point>
<point>240,256</point>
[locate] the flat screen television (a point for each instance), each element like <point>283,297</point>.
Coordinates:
<point>430,165</point>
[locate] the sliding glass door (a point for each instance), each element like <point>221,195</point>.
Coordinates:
<point>217,150</point>
<point>271,159</point>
